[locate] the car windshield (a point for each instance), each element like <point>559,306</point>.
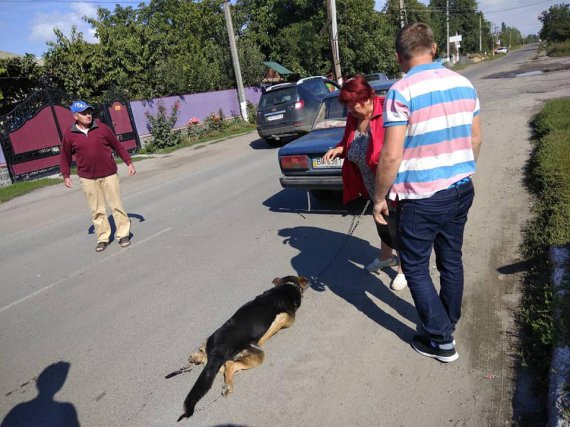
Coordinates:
<point>316,87</point>
<point>374,77</point>
<point>278,96</point>
<point>332,114</point>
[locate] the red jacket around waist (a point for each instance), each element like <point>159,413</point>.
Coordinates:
<point>93,151</point>
<point>351,177</point>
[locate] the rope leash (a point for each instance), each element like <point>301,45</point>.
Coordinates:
<point>351,229</point>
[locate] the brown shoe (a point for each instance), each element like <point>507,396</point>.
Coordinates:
<point>101,246</point>
<point>124,242</point>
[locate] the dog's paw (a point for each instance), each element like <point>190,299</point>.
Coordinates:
<point>227,389</point>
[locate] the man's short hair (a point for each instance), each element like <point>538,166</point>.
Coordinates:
<point>414,39</point>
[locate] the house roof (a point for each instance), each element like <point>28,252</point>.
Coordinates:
<point>278,67</point>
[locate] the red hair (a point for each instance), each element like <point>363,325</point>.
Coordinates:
<point>356,91</point>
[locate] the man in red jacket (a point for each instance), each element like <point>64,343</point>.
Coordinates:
<point>93,144</point>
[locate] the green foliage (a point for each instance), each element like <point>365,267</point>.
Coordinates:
<point>215,124</point>
<point>555,23</point>
<point>161,130</point>
<point>251,113</point>
<point>558,49</point>
<point>19,76</point>
<point>171,47</point>
<point>548,176</point>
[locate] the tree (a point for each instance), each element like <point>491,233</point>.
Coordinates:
<point>19,77</point>
<point>555,23</point>
<point>74,64</point>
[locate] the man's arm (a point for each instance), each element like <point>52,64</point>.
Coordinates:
<point>120,150</point>
<point>476,138</point>
<point>65,158</point>
<point>388,166</point>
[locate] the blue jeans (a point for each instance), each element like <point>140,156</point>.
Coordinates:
<point>437,222</point>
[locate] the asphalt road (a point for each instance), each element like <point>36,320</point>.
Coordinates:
<point>212,227</point>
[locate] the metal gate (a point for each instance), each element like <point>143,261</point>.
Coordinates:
<point>119,117</point>
<point>31,134</point>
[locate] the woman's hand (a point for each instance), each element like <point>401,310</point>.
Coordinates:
<point>332,153</point>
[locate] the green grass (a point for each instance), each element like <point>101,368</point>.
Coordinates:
<point>558,49</point>
<point>233,130</point>
<point>20,188</point>
<point>548,178</point>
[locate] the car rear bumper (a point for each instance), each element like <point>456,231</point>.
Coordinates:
<point>312,182</point>
<point>282,131</point>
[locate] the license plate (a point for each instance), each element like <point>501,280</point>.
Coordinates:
<point>319,163</point>
<point>274,117</point>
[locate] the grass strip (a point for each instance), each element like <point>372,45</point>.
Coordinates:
<point>20,188</point>
<point>548,178</point>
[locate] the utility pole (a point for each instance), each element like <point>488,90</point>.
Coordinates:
<point>235,60</point>
<point>447,25</point>
<point>331,12</point>
<point>401,13</point>
<point>480,35</point>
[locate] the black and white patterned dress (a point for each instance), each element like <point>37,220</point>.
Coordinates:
<point>357,154</point>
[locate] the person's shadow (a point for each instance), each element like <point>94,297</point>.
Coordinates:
<point>344,275</point>
<point>91,229</point>
<point>44,411</point>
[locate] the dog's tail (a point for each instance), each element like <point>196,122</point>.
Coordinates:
<point>203,384</point>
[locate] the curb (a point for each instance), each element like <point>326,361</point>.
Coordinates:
<point>559,380</point>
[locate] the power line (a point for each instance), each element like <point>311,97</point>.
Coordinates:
<point>465,10</point>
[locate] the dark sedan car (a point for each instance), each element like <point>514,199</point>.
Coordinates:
<point>287,110</point>
<point>301,161</point>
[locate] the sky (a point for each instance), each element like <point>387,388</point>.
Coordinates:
<point>26,25</point>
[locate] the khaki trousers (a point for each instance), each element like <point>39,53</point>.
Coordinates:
<point>96,192</point>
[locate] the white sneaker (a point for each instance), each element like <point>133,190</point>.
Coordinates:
<point>377,265</point>
<point>399,282</point>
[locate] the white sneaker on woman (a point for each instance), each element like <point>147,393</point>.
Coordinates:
<point>377,265</point>
<point>399,282</point>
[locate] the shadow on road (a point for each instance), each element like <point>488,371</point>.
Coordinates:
<point>345,277</point>
<point>91,229</point>
<point>298,200</point>
<point>44,410</point>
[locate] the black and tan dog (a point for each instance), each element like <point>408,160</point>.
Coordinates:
<point>235,346</point>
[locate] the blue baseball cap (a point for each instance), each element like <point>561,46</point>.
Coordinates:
<point>80,106</point>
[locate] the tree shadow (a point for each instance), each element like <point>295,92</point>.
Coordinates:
<point>345,277</point>
<point>44,410</point>
<point>91,229</point>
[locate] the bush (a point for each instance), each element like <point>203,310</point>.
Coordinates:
<point>251,113</point>
<point>558,49</point>
<point>214,124</point>
<point>161,128</point>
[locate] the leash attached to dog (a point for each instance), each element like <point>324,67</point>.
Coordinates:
<point>351,229</point>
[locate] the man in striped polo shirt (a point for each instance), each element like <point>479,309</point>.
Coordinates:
<point>431,143</point>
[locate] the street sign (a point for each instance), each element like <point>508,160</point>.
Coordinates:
<point>455,39</point>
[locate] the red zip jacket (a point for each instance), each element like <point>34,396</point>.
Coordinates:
<point>351,177</point>
<point>93,152</point>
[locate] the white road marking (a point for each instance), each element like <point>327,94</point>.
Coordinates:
<point>78,272</point>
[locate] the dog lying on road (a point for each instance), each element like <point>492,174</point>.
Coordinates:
<point>236,345</point>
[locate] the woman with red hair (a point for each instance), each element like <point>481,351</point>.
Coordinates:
<point>361,146</point>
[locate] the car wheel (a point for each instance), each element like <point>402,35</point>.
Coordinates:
<point>272,142</point>
<point>322,194</point>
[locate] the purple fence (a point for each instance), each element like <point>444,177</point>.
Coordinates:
<point>199,105</point>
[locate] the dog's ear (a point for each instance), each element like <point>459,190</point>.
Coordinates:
<point>303,282</point>
<point>276,281</point>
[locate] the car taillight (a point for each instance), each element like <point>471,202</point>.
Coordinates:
<point>294,162</point>
<point>299,104</point>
